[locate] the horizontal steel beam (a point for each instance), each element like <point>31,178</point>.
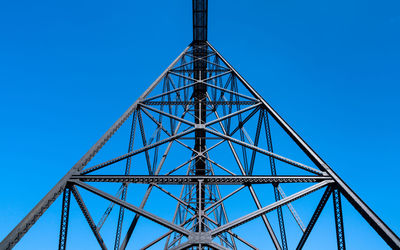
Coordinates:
<point>203,102</point>
<point>211,180</point>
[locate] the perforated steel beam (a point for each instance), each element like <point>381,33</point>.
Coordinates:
<point>337,207</point>
<point>210,180</point>
<point>62,242</point>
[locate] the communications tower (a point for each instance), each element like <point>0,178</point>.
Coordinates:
<point>199,137</point>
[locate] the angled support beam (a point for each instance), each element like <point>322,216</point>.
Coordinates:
<point>166,234</point>
<point>204,58</point>
<point>168,115</point>
<point>375,222</point>
<point>231,92</point>
<point>88,217</point>
<point>184,204</point>
<point>148,191</point>
<point>251,189</point>
<point>144,141</point>
<point>214,245</point>
<point>185,245</point>
<point>256,140</point>
<point>216,76</point>
<point>292,210</point>
<point>268,208</point>
<point>315,217</point>
<point>215,204</point>
<point>135,152</point>
<point>150,99</point>
<point>266,152</point>
<point>135,209</point>
<point>183,76</point>
<point>232,114</point>
<point>109,209</point>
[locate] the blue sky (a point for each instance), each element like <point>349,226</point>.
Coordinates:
<point>68,69</point>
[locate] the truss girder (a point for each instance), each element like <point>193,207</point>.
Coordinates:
<point>192,180</point>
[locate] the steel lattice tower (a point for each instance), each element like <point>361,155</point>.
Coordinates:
<point>223,129</point>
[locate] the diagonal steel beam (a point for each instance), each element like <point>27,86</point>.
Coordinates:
<point>216,76</point>
<point>148,191</point>
<point>144,141</point>
<point>315,217</point>
<point>194,60</point>
<point>135,152</point>
<point>165,235</point>
<point>232,114</point>
<point>168,92</point>
<point>185,204</point>
<point>292,210</point>
<point>185,245</point>
<point>266,152</point>
<point>251,189</point>
<point>168,115</point>
<point>183,76</point>
<point>88,217</point>
<point>268,208</point>
<point>181,196</point>
<point>133,208</point>
<point>230,92</point>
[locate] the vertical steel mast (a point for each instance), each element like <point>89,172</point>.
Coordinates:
<point>199,94</point>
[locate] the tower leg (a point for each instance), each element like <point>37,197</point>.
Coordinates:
<point>337,205</point>
<point>64,218</point>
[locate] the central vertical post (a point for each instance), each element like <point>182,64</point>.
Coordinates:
<point>200,95</point>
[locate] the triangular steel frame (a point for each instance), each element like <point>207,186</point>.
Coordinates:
<point>186,100</point>
<point>241,107</point>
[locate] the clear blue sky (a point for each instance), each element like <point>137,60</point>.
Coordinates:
<point>68,69</point>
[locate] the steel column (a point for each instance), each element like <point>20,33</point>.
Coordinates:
<point>337,207</point>
<point>62,243</point>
